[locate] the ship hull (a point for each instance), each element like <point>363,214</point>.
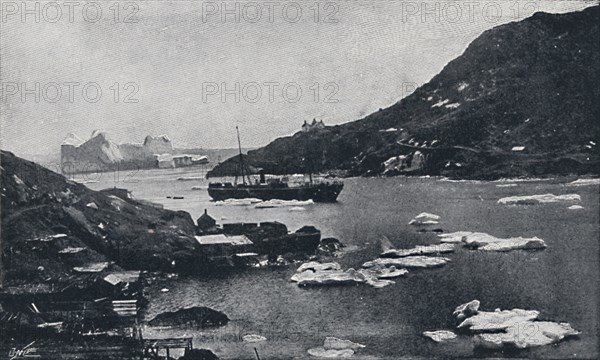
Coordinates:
<point>317,193</point>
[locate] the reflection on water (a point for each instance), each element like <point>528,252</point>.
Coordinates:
<point>560,282</point>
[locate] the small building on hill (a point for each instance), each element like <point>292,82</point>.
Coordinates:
<point>315,125</point>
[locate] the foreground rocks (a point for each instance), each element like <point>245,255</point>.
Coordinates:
<point>107,226</point>
<point>516,328</point>
<point>199,354</point>
<point>197,317</point>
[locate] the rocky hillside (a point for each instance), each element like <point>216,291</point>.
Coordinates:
<point>521,100</point>
<point>51,226</point>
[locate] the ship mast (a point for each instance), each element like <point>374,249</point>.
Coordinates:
<point>241,157</point>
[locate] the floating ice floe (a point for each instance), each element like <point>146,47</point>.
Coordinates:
<point>92,267</point>
<point>454,237</point>
<point>238,202</point>
<point>516,328</point>
<point>440,335</point>
<point>409,261</point>
<point>585,182</point>
<point>297,208</point>
<point>487,242</point>
<point>527,334</point>
<point>281,203</point>
<point>251,338</point>
<point>190,178</point>
<point>335,348</point>
<point>71,250</point>
<point>316,274</point>
<point>466,310</point>
<point>425,219</point>
<point>575,207</point>
<point>538,199</point>
<point>419,250</point>
<point>316,266</point>
<point>498,319</point>
<point>507,185</point>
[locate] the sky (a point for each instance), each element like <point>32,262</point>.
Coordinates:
<point>196,69</point>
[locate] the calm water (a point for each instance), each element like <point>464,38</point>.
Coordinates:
<point>560,282</point>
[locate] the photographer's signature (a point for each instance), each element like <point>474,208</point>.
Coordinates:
<point>24,353</point>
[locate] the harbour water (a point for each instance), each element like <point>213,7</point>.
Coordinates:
<point>559,281</point>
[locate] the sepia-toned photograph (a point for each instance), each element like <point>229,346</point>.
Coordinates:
<point>299,179</point>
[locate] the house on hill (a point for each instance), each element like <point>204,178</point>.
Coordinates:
<point>315,125</point>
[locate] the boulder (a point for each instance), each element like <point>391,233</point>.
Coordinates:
<point>199,354</point>
<point>198,316</point>
<point>498,319</point>
<point>331,245</point>
<point>409,261</point>
<point>466,310</point>
<point>440,335</point>
<point>419,250</point>
<point>92,205</point>
<point>487,242</point>
<point>527,334</point>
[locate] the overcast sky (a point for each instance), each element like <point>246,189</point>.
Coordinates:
<point>179,65</point>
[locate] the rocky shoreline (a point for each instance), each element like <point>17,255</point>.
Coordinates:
<point>76,263</point>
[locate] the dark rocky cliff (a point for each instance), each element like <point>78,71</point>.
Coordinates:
<point>532,84</point>
<point>38,204</point>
